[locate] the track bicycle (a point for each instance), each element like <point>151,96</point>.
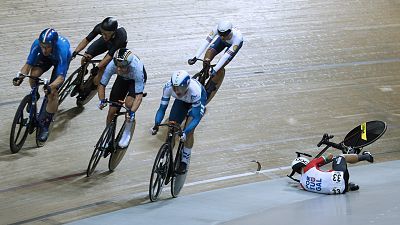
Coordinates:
<point>80,82</point>
<point>108,143</point>
<point>203,76</point>
<point>353,143</point>
<point>27,117</point>
<point>165,165</point>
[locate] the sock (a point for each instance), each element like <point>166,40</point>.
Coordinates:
<point>186,155</point>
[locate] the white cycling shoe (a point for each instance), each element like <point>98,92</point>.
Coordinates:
<point>124,141</point>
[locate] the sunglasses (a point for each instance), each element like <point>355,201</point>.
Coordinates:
<point>225,33</point>
<point>120,62</point>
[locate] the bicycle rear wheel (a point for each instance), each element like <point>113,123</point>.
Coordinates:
<point>20,125</point>
<point>119,153</point>
<point>88,91</point>
<point>68,86</point>
<point>159,172</point>
<point>178,180</point>
<point>99,148</point>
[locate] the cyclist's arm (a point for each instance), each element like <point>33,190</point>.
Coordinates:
<point>101,91</point>
<point>81,45</point>
<point>136,102</point>
<point>105,78</point>
<point>227,57</point>
<point>206,42</point>
<point>26,69</point>
<point>167,92</point>
<point>197,113</point>
<point>104,62</point>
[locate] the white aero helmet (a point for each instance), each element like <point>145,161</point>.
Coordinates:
<point>299,162</point>
<point>224,28</point>
<point>180,82</point>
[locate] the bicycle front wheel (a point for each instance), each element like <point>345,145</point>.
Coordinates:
<point>178,180</point>
<point>159,172</point>
<point>20,125</point>
<point>100,147</point>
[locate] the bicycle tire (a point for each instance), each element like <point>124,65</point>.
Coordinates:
<point>178,180</point>
<point>23,123</point>
<point>159,172</point>
<point>86,85</point>
<point>98,151</point>
<point>67,86</point>
<point>116,158</point>
<point>119,153</point>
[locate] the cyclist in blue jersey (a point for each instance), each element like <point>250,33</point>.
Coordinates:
<point>50,49</point>
<point>190,99</point>
<point>127,87</point>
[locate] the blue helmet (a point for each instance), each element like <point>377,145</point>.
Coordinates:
<point>48,36</point>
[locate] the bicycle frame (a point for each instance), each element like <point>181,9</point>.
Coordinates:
<point>31,122</point>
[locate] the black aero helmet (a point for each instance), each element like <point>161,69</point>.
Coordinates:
<point>109,24</point>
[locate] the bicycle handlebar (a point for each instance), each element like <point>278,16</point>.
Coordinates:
<point>171,125</point>
<point>209,63</point>
<point>118,104</point>
<point>40,81</point>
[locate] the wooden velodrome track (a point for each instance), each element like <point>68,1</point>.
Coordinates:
<point>306,67</point>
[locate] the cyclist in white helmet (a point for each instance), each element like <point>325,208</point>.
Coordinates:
<point>190,99</point>
<point>224,36</point>
<point>334,181</point>
<point>128,87</point>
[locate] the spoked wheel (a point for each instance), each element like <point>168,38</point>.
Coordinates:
<point>68,86</point>
<point>99,149</point>
<point>178,180</point>
<point>159,172</point>
<point>20,125</point>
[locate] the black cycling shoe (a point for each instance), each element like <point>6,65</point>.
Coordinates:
<point>75,90</point>
<point>353,186</point>
<point>182,168</point>
<point>44,134</point>
<point>369,158</point>
<point>108,150</point>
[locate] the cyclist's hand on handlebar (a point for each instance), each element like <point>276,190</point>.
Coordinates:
<point>130,115</point>
<point>47,89</point>
<point>192,61</point>
<point>213,72</point>
<point>154,130</point>
<point>183,137</point>
<point>206,63</point>
<point>18,79</point>
<point>74,54</point>
<point>102,104</point>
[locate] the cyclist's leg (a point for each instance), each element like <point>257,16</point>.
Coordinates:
<point>45,117</point>
<point>96,48</point>
<point>129,88</point>
<point>339,164</point>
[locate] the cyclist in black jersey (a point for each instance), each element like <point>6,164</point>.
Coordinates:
<point>112,38</point>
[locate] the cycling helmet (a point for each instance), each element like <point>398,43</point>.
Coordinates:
<point>180,82</point>
<point>224,28</point>
<point>109,24</point>
<point>123,57</point>
<point>48,36</point>
<point>298,163</point>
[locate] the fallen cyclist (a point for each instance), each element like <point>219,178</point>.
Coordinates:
<point>334,181</point>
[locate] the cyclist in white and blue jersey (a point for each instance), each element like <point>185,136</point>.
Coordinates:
<point>128,87</point>
<point>190,99</point>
